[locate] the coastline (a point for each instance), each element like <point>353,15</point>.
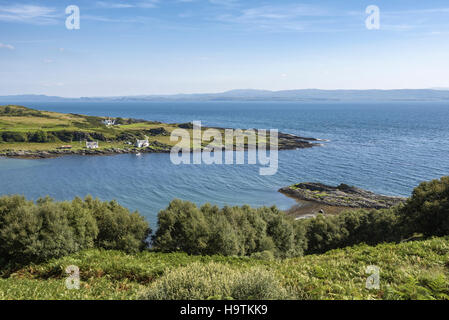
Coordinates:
<point>286,142</point>
<point>316,198</point>
<point>33,134</point>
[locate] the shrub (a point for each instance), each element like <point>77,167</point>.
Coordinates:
<point>325,233</point>
<point>216,281</point>
<point>33,232</point>
<point>120,121</point>
<point>187,125</point>
<point>228,231</point>
<point>95,136</point>
<point>263,255</point>
<point>223,238</point>
<point>427,211</point>
<point>181,227</point>
<point>281,231</point>
<point>119,229</point>
<point>38,136</point>
<point>63,135</point>
<point>130,136</point>
<point>14,136</point>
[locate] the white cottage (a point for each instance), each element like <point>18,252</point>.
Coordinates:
<point>109,122</point>
<point>92,144</point>
<point>142,143</point>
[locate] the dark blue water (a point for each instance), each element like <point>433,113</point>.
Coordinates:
<point>388,148</point>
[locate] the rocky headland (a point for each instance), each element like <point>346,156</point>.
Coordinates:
<point>316,198</point>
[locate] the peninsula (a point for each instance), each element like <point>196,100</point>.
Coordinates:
<point>29,133</point>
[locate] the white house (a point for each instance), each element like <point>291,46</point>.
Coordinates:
<point>109,122</point>
<point>142,143</point>
<point>92,145</point>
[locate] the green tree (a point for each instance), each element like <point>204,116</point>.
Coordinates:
<point>118,228</point>
<point>39,136</point>
<point>35,232</point>
<point>181,227</point>
<point>427,211</point>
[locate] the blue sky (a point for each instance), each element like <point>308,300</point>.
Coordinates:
<point>186,46</point>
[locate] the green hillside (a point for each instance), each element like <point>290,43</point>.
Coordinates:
<point>236,252</point>
<point>23,128</point>
<point>411,270</point>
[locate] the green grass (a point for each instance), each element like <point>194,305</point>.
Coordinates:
<point>24,120</point>
<point>30,120</point>
<point>411,270</point>
<point>54,289</point>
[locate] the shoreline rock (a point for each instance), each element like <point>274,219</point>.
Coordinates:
<point>340,196</point>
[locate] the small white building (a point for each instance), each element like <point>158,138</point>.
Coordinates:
<point>142,143</point>
<point>92,144</point>
<point>109,122</point>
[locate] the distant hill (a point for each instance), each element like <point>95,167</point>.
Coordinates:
<point>307,95</point>
<point>31,98</point>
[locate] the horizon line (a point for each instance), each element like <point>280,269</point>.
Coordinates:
<point>220,92</point>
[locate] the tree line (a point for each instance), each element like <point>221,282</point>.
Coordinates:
<point>36,231</point>
<point>266,232</point>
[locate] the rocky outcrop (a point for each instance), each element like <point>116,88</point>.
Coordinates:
<point>291,142</point>
<point>340,196</point>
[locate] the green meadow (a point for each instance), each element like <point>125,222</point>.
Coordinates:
<point>410,270</point>
<point>22,128</point>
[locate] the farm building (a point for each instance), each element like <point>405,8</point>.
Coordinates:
<point>109,122</point>
<point>142,143</point>
<point>92,145</point>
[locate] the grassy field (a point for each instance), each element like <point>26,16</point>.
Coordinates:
<point>26,122</point>
<point>411,270</point>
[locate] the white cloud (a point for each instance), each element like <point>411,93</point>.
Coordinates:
<point>147,4</point>
<point>277,17</point>
<point>125,5</point>
<point>137,19</point>
<point>227,3</point>
<point>116,5</point>
<point>28,14</point>
<point>423,11</point>
<point>283,12</point>
<point>6,46</point>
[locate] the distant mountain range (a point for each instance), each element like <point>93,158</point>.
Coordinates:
<point>307,95</point>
